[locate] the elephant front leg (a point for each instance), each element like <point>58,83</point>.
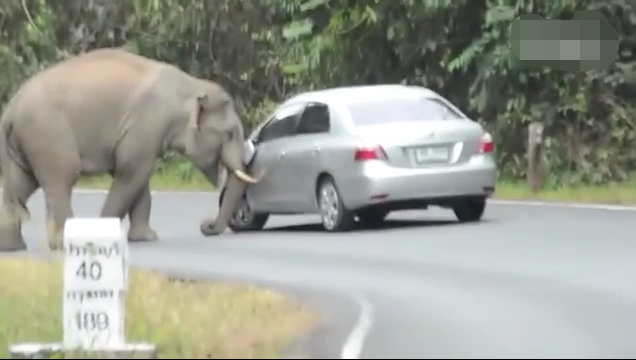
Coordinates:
<point>139,216</point>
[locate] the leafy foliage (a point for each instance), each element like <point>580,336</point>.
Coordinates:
<point>266,50</point>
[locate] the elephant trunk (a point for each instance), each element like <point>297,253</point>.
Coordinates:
<point>232,157</point>
<point>234,190</point>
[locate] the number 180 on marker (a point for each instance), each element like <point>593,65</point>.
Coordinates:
<point>93,318</point>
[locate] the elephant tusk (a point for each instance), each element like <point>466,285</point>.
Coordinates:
<point>244,177</point>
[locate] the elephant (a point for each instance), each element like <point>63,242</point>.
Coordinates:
<point>109,111</point>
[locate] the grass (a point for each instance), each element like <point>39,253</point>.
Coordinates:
<point>619,193</point>
<point>167,180</point>
<point>186,320</point>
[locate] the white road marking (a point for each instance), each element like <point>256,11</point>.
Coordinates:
<point>353,345</point>
<point>564,205</point>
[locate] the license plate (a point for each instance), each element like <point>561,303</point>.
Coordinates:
<point>431,154</point>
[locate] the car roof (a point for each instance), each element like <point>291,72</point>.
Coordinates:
<point>362,93</point>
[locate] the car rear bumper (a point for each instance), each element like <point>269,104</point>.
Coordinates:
<point>379,183</point>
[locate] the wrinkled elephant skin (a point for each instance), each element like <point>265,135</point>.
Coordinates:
<point>109,111</point>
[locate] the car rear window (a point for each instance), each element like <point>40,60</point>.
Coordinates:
<point>399,110</point>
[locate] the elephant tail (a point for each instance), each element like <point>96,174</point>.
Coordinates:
<point>9,148</point>
<point>6,129</point>
<point>4,141</point>
<point>9,158</point>
<point>9,144</point>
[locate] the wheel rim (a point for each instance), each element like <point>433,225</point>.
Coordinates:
<point>329,206</point>
<point>243,216</point>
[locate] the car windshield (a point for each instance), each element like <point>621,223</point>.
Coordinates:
<point>399,110</point>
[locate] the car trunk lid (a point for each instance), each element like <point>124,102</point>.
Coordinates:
<point>426,143</point>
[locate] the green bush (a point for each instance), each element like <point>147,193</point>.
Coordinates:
<point>263,51</point>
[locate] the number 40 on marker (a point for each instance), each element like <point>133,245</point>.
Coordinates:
<point>92,270</point>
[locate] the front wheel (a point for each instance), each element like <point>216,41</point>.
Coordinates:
<point>470,209</point>
<point>244,218</point>
<point>333,213</point>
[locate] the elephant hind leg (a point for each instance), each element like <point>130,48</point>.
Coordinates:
<point>58,205</point>
<point>58,187</point>
<point>139,215</point>
<point>18,188</point>
<point>52,152</point>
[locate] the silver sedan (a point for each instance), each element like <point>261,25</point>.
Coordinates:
<point>361,152</point>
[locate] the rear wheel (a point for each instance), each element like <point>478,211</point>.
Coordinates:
<point>333,213</point>
<point>372,217</point>
<point>470,209</point>
<point>244,218</point>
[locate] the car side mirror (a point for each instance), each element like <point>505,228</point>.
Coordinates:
<point>250,151</point>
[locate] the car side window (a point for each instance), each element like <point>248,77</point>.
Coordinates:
<point>315,119</point>
<point>283,124</point>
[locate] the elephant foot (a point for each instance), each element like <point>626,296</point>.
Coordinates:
<point>55,245</point>
<point>142,234</point>
<point>11,239</point>
<point>56,242</point>
<point>55,237</point>
<point>208,228</point>
<point>11,232</point>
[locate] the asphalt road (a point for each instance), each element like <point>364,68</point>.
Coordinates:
<point>527,282</point>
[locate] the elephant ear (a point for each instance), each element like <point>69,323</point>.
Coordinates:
<point>196,106</point>
<point>208,104</point>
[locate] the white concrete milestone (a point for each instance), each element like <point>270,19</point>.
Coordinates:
<point>95,278</point>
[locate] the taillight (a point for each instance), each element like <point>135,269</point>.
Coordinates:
<point>486,145</point>
<point>369,152</point>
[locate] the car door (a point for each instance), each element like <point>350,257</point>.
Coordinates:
<point>304,155</point>
<point>270,193</point>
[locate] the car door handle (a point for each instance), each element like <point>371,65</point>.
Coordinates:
<point>281,155</point>
<point>316,150</point>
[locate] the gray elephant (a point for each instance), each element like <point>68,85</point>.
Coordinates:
<point>113,112</point>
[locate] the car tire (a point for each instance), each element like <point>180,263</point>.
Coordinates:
<point>372,217</point>
<point>244,220</point>
<point>470,209</point>
<point>334,214</point>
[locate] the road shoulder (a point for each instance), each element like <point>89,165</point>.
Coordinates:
<point>340,315</point>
